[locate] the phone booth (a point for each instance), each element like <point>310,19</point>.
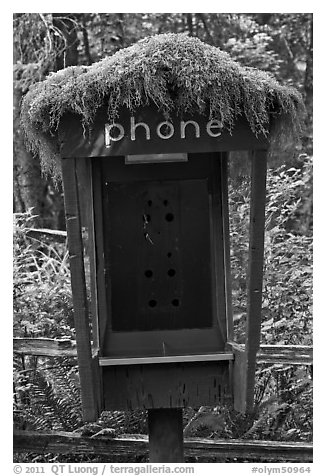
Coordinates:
<point>158,194</point>
<point>146,200</point>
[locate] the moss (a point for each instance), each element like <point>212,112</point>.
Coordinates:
<point>175,72</point>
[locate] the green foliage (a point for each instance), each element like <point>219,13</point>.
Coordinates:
<point>41,278</point>
<point>37,44</point>
<point>282,411</point>
<point>283,395</point>
<point>275,42</point>
<point>46,390</point>
<point>47,397</point>
<point>287,300</point>
<point>175,72</point>
<point>287,292</point>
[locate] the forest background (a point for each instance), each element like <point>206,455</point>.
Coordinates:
<point>46,395</point>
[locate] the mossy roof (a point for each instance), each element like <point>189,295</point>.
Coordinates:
<point>175,72</point>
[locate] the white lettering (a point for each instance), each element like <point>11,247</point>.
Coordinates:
<point>168,135</point>
<point>214,124</point>
<point>109,137</point>
<point>165,130</point>
<point>183,128</point>
<point>134,126</point>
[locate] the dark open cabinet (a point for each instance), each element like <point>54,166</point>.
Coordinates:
<point>148,234</point>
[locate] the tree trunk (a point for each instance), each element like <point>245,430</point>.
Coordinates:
<point>308,81</point>
<point>308,90</point>
<point>88,56</point>
<point>31,189</point>
<point>121,29</point>
<point>66,23</point>
<point>29,186</point>
<point>190,24</point>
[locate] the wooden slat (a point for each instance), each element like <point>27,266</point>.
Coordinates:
<point>57,235</point>
<point>45,347</point>
<point>78,285</point>
<point>255,270</point>
<point>132,446</point>
<point>285,354</point>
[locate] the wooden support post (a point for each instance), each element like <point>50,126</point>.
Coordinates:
<point>165,430</point>
<point>79,294</point>
<point>256,264</point>
<point>226,245</point>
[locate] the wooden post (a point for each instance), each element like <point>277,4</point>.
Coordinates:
<point>256,263</point>
<point>226,245</point>
<point>79,294</point>
<point>165,430</point>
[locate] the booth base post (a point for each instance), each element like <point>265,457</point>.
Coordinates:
<point>165,431</point>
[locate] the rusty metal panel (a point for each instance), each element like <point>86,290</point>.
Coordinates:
<point>157,240</point>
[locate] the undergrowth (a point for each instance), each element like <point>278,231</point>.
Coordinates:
<point>288,274</point>
<point>41,284</point>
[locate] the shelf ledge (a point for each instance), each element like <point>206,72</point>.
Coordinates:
<point>107,361</point>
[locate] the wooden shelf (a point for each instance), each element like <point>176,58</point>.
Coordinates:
<point>106,361</point>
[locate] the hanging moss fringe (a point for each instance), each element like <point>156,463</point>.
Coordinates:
<point>175,72</point>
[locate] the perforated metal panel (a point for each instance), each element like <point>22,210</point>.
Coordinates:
<point>159,246</point>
